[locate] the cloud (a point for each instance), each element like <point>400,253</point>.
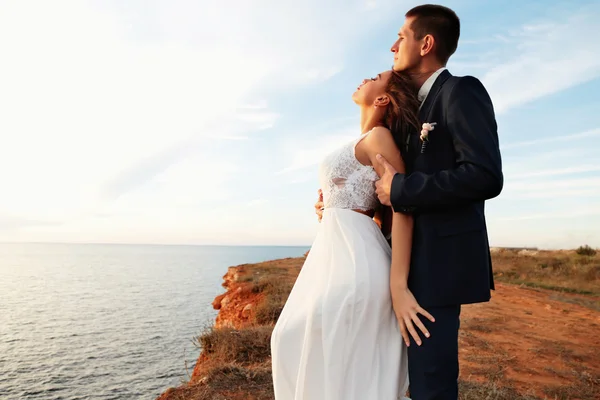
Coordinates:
<point>551,184</point>
<point>10,224</point>
<point>540,58</point>
<point>554,172</point>
<point>581,212</point>
<point>101,98</point>
<point>557,184</point>
<point>565,138</point>
<point>308,153</point>
<point>143,171</point>
<point>179,122</point>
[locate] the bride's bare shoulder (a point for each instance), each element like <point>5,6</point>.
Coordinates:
<point>380,137</point>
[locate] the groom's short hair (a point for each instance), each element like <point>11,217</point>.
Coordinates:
<point>440,22</point>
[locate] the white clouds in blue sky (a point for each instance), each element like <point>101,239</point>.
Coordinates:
<point>204,122</point>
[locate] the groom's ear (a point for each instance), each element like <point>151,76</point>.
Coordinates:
<point>427,44</point>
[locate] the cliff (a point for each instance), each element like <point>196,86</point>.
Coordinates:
<point>536,339</point>
<point>235,363</point>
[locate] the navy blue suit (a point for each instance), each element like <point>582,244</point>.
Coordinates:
<point>445,188</point>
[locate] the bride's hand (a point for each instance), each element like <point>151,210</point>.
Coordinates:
<point>407,310</point>
<point>319,205</point>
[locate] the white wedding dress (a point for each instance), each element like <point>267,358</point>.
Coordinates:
<point>337,337</point>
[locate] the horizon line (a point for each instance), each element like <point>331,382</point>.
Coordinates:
<point>535,248</point>
<point>162,244</point>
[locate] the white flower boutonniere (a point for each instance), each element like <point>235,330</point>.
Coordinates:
<point>426,128</point>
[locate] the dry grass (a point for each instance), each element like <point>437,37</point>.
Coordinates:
<point>495,365</point>
<point>229,381</point>
<point>589,302</point>
<point>489,391</point>
<point>553,270</point>
<point>243,346</point>
<point>274,282</point>
<point>584,386</point>
<point>276,290</point>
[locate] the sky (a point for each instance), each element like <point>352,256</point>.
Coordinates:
<point>203,122</point>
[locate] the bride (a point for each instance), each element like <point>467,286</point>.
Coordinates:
<point>339,334</point>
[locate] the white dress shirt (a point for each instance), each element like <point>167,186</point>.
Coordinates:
<point>427,85</point>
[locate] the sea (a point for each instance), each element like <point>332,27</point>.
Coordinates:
<point>108,321</point>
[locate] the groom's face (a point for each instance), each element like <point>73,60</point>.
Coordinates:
<point>407,50</point>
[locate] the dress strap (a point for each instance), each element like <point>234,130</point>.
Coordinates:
<point>362,136</point>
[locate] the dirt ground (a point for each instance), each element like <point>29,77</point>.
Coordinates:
<point>539,342</point>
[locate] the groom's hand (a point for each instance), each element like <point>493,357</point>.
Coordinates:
<point>384,185</point>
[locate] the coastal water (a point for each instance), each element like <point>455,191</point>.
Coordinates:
<point>107,321</point>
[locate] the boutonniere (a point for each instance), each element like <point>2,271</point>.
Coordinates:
<point>427,127</point>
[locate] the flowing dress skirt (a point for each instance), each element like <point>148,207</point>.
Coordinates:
<point>337,337</point>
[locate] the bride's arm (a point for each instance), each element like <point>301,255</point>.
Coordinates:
<point>380,141</point>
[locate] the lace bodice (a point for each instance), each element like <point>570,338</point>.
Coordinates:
<point>345,182</point>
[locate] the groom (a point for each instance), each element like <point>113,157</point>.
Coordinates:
<point>451,170</point>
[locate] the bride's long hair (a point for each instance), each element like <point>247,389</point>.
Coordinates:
<point>402,116</point>
<point>402,119</point>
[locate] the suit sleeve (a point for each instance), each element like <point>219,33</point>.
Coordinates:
<point>477,174</point>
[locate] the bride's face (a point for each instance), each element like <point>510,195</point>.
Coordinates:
<point>371,89</point>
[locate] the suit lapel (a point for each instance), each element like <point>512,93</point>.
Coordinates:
<point>433,93</point>
<point>424,114</point>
